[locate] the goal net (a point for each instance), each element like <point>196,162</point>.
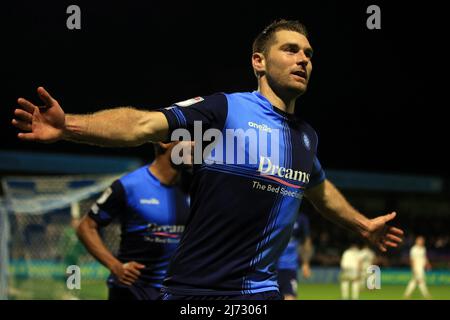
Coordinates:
<point>38,241</point>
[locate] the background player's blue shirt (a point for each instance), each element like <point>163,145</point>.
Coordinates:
<point>152,217</point>
<point>301,230</point>
<point>241,219</point>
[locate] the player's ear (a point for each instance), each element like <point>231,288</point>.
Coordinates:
<point>165,146</point>
<point>258,63</point>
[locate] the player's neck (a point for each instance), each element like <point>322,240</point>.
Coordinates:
<point>164,172</point>
<point>284,103</point>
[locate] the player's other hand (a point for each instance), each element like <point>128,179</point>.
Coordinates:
<point>383,236</point>
<point>306,270</point>
<point>127,273</point>
<point>40,123</point>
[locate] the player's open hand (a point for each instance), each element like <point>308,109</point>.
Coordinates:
<point>127,273</point>
<point>40,123</point>
<point>382,235</point>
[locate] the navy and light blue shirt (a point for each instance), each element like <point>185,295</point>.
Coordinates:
<point>243,208</point>
<point>289,258</point>
<point>152,217</point>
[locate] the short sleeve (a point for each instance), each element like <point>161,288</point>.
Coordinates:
<point>317,174</point>
<point>110,205</point>
<point>211,111</point>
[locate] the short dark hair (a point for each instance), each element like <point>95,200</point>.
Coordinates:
<point>263,41</point>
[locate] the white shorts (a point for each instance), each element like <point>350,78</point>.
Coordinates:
<point>349,274</point>
<point>419,274</point>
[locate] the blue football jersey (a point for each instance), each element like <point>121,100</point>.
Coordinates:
<point>152,217</point>
<point>289,257</point>
<point>245,196</point>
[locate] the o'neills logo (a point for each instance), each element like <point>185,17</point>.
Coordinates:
<point>272,171</point>
<point>262,127</point>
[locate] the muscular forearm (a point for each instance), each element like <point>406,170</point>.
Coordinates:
<point>333,206</point>
<point>94,244</point>
<point>119,127</point>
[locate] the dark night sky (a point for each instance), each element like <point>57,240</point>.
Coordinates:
<point>373,98</point>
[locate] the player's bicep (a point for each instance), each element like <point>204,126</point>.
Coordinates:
<point>200,112</point>
<point>153,126</point>
<point>88,222</point>
<point>317,193</point>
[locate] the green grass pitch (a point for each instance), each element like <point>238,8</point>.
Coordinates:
<point>329,291</point>
<point>96,290</point>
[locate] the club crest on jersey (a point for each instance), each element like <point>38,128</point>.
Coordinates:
<point>189,102</point>
<point>306,141</point>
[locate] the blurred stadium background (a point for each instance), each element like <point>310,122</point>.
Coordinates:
<point>38,241</point>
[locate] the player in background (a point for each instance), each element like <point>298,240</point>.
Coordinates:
<point>419,261</point>
<point>152,211</point>
<point>350,273</point>
<point>288,264</point>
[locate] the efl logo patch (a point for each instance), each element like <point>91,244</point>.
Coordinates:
<point>306,141</point>
<point>189,102</point>
<point>104,196</point>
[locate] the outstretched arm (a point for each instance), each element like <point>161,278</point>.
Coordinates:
<point>119,127</point>
<point>332,205</point>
